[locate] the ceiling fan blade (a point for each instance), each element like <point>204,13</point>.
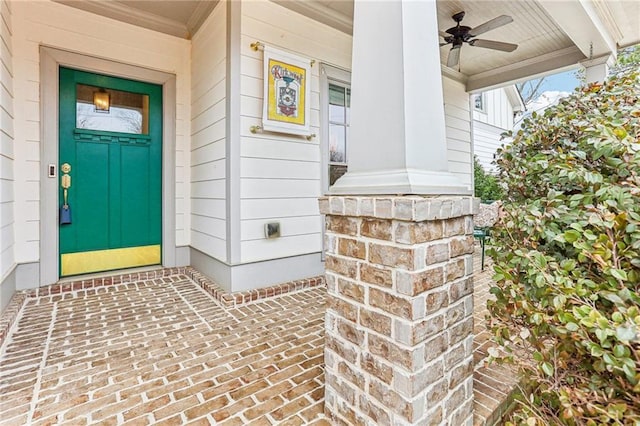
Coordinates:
<point>454,57</point>
<point>495,45</point>
<point>443,34</point>
<point>443,44</point>
<point>490,25</point>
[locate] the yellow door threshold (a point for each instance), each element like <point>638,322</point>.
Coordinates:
<point>109,260</point>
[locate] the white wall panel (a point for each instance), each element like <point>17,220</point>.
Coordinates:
<point>498,111</point>
<point>283,188</point>
<point>208,149</point>
<point>212,133</point>
<point>490,124</point>
<point>254,250</point>
<point>264,146</point>
<point>212,114</point>
<point>7,149</point>
<point>210,225</point>
<point>208,97</point>
<point>206,243</point>
<point>209,207</point>
<point>275,208</point>
<point>278,169</point>
<point>213,170</point>
<point>458,122</point>
<point>280,174</point>
<point>289,226</point>
<point>208,153</point>
<point>214,189</point>
<point>486,141</point>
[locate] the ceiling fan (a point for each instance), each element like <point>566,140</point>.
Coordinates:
<point>463,34</point>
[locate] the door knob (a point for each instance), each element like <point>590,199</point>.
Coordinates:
<point>65,180</point>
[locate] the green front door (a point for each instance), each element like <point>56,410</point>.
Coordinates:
<point>110,164</point>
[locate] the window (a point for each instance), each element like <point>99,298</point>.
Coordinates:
<point>339,116</point>
<point>125,112</point>
<point>479,102</point>
<point>335,116</point>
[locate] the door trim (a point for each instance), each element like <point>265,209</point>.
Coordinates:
<point>50,61</point>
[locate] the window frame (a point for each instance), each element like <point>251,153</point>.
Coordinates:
<point>337,76</point>
<point>483,102</point>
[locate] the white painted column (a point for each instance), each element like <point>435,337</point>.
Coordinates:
<point>597,70</point>
<point>397,142</point>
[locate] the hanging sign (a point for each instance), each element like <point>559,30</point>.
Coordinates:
<point>286,92</point>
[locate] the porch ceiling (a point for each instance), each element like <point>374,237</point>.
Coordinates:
<point>180,18</point>
<point>551,34</point>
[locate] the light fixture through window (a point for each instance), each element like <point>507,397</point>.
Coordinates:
<point>101,100</point>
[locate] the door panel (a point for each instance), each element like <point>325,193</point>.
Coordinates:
<point>115,193</point>
<point>89,179</point>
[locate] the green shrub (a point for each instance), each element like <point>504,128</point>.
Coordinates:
<point>567,258</point>
<point>486,185</point>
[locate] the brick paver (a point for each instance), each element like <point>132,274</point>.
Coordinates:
<point>164,351</point>
<point>493,384</point>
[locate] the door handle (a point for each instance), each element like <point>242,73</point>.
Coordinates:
<point>65,181</point>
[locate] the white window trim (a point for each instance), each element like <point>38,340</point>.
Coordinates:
<point>328,74</point>
<point>483,97</point>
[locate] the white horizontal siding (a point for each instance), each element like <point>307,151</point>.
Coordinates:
<point>56,25</point>
<point>208,144</point>
<point>273,208</point>
<point>278,169</point>
<point>458,129</point>
<point>486,141</point>
<point>289,226</point>
<point>254,250</point>
<point>272,147</point>
<point>498,111</point>
<point>280,174</point>
<point>7,157</point>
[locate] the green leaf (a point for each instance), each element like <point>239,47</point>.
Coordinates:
<point>571,236</point>
<point>620,351</point>
<point>619,274</point>
<point>626,334</point>
<point>612,297</point>
<point>602,335</point>
<point>547,368</point>
<point>572,326</point>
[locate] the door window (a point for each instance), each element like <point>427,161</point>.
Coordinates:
<point>111,110</point>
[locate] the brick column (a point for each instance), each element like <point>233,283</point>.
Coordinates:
<point>399,324</point>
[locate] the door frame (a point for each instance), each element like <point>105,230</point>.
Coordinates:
<point>50,61</point>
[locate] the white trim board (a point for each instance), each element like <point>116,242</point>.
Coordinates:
<point>7,288</point>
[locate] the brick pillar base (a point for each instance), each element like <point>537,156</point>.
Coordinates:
<point>399,324</point>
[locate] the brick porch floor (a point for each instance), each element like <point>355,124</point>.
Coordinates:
<point>163,351</point>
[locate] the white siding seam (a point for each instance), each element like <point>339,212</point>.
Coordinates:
<point>207,234</point>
